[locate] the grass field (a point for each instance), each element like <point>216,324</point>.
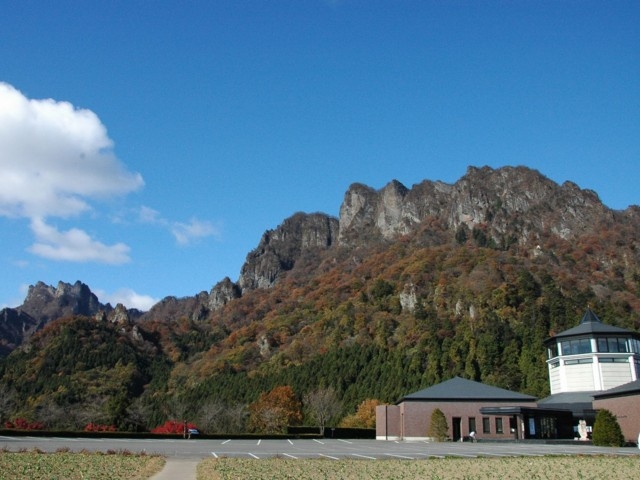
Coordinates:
<point>525,468</point>
<point>77,466</point>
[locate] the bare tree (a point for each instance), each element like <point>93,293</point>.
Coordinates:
<point>218,417</point>
<point>322,405</point>
<point>138,414</point>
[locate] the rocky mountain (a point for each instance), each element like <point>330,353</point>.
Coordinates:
<point>499,207</point>
<point>45,303</point>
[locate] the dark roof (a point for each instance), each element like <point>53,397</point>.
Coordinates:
<point>591,325</point>
<point>577,402</point>
<point>461,389</point>
<point>630,388</point>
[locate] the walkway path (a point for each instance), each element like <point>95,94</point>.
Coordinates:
<point>178,469</point>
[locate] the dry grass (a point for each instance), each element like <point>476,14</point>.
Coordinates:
<point>525,468</point>
<point>76,466</point>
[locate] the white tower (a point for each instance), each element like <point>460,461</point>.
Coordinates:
<point>592,357</point>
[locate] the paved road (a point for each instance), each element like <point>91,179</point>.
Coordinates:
<point>326,448</point>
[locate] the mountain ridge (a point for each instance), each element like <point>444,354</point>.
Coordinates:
<point>500,206</point>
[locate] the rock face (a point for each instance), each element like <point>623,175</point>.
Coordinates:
<point>511,202</point>
<point>280,248</point>
<point>502,206</point>
<point>15,327</point>
<point>45,302</point>
<point>222,293</point>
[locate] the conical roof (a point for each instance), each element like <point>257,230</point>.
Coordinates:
<point>591,325</point>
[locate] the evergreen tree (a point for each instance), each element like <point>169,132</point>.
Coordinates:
<point>606,430</point>
<point>438,428</point>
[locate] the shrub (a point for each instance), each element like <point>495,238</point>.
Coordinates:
<point>22,424</point>
<point>94,427</point>
<point>606,430</point>
<point>438,428</point>
<point>173,427</point>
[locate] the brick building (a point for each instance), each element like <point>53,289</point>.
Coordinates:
<point>591,366</point>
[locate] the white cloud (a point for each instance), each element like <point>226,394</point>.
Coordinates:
<point>54,157</point>
<point>74,245</point>
<point>184,233</point>
<point>54,160</point>
<point>128,298</point>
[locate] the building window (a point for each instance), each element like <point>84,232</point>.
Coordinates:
<point>486,425</point>
<point>613,345</point>
<point>553,350</point>
<point>613,360</point>
<point>498,424</point>
<point>578,361</point>
<point>472,424</point>
<point>555,364</point>
<point>575,347</point>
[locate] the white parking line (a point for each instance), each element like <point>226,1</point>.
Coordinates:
<point>214,454</point>
<point>254,456</point>
<point>259,441</point>
<point>399,456</point>
<point>364,456</point>
<point>318,441</point>
<point>345,441</point>
<point>288,440</point>
<point>226,441</point>
<point>290,456</point>
<point>328,456</point>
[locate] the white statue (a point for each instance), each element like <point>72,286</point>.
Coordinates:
<point>582,429</point>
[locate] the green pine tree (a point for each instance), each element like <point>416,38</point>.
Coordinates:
<point>606,430</point>
<point>438,428</point>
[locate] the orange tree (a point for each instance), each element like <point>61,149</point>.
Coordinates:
<point>275,410</point>
<point>365,416</point>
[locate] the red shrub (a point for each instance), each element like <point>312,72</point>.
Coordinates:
<point>173,427</point>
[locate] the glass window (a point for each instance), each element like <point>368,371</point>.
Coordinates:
<point>486,425</point>
<point>574,347</point>
<point>614,345</point>
<point>602,345</point>
<point>553,350</point>
<point>578,361</point>
<point>472,424</point>
<point>498,424</point>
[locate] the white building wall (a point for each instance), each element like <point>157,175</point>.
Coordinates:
<point>554,380</point>
<point>579,378</point>
<point>615,374</point>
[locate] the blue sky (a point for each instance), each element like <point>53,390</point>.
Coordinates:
<point>145,146</point>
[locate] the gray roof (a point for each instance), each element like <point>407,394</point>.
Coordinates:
<point>591,325</point>
<point>461,389</point>
<point>567,397</point>
<point>577,402</point>
<point>620,391</point>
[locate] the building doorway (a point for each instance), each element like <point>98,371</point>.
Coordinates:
<point>456,427</point>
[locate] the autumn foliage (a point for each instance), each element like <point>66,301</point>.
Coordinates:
<point>275,410</point>
<point>173,427</point>
<point>95,427</point>
<point>365,416</point>
<point>22,424</point>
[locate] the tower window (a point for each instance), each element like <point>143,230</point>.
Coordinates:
<point>575,347</point>
<point>613,345</point>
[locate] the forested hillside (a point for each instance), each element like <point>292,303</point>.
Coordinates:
<point>375,320</point>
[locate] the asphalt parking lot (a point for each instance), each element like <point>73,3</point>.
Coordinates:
<point>299,449</point>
